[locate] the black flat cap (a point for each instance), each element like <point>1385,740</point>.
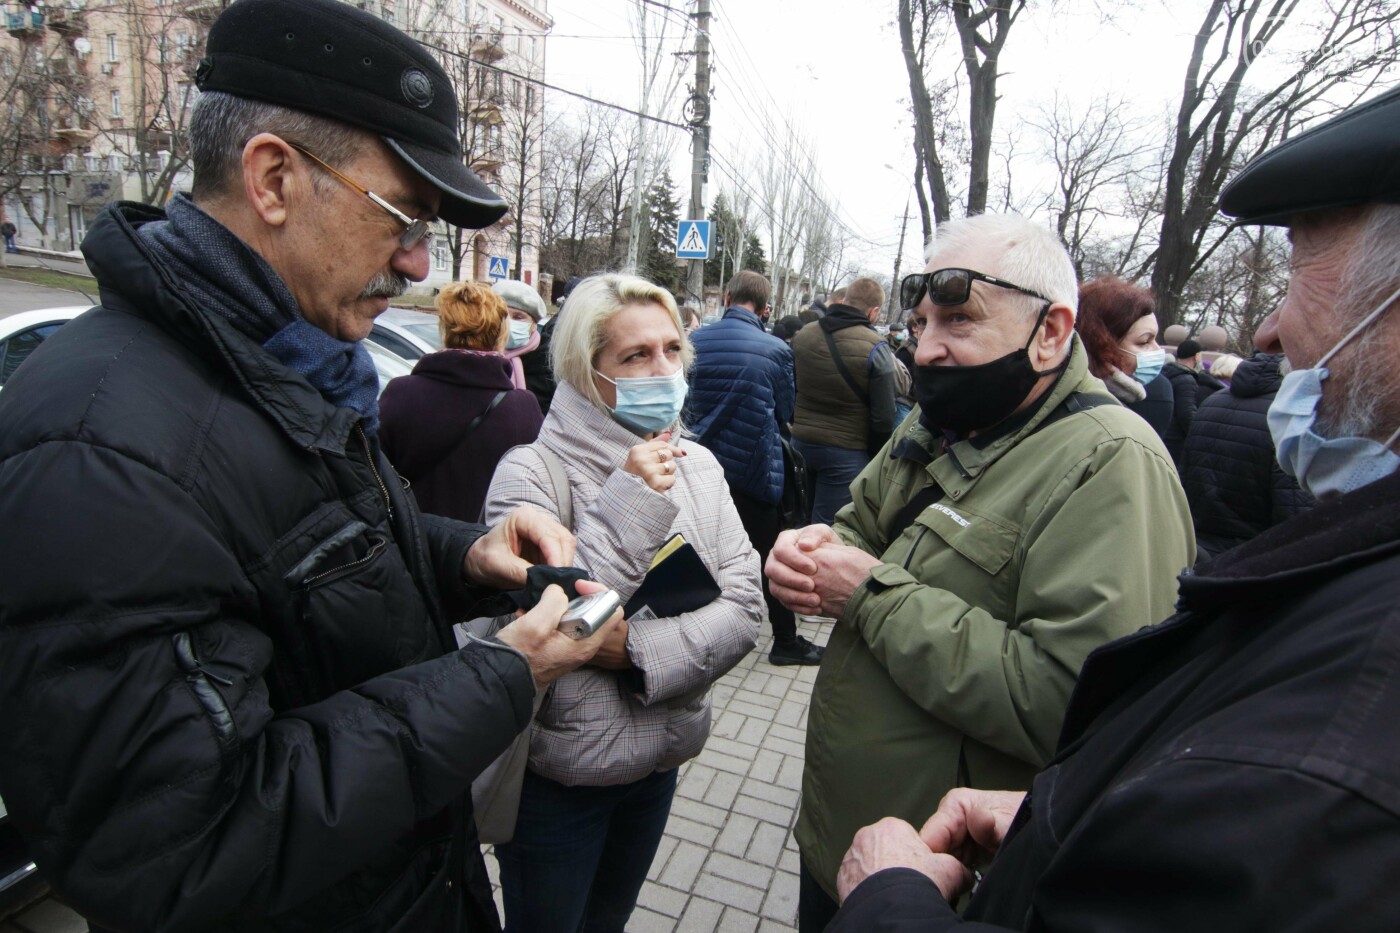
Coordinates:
<point>1187,349</point>
<point>1352,159</point>
<point>336,61</point>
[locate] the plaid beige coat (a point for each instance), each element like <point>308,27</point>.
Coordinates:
<point>600,727</point>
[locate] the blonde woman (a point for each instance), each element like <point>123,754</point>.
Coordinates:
<point>445,426</point>
<point>606,743</point>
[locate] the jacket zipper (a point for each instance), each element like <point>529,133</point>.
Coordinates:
<point>914,547</point>
<point>374,550</point>
<point>369,458</point>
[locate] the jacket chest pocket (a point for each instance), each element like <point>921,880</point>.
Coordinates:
<point>970,553</point>
<point>351,610</point>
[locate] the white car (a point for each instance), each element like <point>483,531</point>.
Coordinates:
<point>21,334</point>
<point>409,334</point>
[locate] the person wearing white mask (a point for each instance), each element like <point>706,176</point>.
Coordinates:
<point>1236,766</point>
<point>524,307</point>
<point>606,743</point>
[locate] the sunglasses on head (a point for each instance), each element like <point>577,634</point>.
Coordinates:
<point>949,287</point>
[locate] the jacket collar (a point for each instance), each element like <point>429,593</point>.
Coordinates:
<point>472,369</point>
<point>968,460</point>
<point>734,312</point>
<point>131,278</point>
<point>584,435</point>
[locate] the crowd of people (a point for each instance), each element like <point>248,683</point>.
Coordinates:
<point>1115,629</point>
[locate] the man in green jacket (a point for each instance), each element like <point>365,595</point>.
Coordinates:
<point>1020,520</point>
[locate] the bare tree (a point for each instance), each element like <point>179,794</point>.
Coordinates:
<point>1098,154</point>
<point>1222,121</point>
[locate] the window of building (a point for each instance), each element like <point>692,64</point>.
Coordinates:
<point>112,47</point>
<point>116,103</point>
<point>534,49</point>
<point>515,91</point>
<point>440,257</point>
<point>162,54</point>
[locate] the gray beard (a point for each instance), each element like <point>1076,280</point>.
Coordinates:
<point>1358,412</point>
<point>386,284</point>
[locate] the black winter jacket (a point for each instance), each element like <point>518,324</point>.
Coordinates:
<point>229,695</point>
<point>1189,387</point>
<point>1229,469</point>
<point>1235,768</point>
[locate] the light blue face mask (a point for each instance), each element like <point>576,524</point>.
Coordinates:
<point>648,404</point>
<point>1149,365</point>
<point>1325,467</point>
<point>519,334</point>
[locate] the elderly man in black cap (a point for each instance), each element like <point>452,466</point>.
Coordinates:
<point>1238,766</point>
<point>230,697</point>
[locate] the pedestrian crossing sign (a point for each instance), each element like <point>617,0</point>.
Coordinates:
<point>498,267</point>
<point>693,239</point>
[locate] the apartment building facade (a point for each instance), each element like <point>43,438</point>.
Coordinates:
<point>97,96</point>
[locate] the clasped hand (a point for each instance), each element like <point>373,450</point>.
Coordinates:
<point>812,572</point>
<point>964,833</point>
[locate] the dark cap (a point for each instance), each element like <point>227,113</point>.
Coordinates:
<point>1352,159</point>
<point>1187,349</point>
<point>333,60</point>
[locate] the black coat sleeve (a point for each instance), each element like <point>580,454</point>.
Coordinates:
<point>900,900</point>
<point>139,755</point>
<point>448,543</point>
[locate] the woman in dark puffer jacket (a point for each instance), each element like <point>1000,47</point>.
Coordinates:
<point>1230,471</point>
<point>446,426</point>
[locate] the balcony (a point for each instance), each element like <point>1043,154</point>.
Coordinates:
<point>27,25</point>
<point>201,11</point>
<point>488,47</point>
<point>66,21</point>
<point>487,112</point>
<point>75,136</point>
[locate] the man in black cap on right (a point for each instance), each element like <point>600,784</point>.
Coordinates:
<point>230,693</point>
<point>1236,767</point>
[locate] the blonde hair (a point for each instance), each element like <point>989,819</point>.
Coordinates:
<point>578,335</point>
<point>1224,366</point>
<point>471,317</point>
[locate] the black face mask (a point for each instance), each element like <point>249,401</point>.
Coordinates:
<point>970,398</point>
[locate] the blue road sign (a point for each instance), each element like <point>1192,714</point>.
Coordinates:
<point>498,267</point>
<point>693,239</point>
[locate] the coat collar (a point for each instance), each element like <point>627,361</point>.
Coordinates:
<point>967,459</point>
<point>736,313</point>
<point>131,278</point>
<point>584,435</point>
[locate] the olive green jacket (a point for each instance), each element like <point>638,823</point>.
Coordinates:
<point>954,661</point>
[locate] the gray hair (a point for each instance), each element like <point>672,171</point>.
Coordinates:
<point>221,125</point>
<point>578,336</point>
<point>1026,253</point>
<point>1372,275</point>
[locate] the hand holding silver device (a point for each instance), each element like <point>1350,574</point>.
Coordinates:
<point>586,615</point>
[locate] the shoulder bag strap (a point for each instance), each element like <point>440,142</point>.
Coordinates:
<point>861,394</point>
<point>476,422</point>
<point>560,481</point>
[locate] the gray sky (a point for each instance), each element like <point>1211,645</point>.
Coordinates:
<point>833,74</point>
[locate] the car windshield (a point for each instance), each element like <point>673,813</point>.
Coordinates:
<point>427,331</point>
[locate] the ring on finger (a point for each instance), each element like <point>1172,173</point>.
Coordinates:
<point>661,455</point>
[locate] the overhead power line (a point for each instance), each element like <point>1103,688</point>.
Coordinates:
<point>554,87</point>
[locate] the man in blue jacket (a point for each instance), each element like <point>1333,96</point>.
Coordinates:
<point>741,400</point>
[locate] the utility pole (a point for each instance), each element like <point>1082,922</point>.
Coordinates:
<point>891,314</point>
<point>698,115</point>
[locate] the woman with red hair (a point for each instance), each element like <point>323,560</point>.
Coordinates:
<point>1118,325</point>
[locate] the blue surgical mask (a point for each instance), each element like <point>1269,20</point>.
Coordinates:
<point>519,334</point>
<point>1325,467</point>
<point>648,404</point>
<point>1149,365</point>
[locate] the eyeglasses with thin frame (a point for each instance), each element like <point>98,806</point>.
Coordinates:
<point>946,287</point>
<point>415,230</point>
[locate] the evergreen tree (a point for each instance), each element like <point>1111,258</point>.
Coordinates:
<point>719,267</point>
<point>754,260</point>
<point>658,256</point>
